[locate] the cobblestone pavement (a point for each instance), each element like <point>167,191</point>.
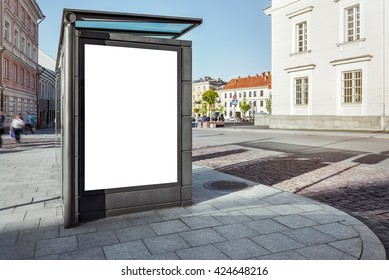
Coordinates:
<point>345,179</point>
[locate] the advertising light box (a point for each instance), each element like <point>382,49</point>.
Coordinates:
<point>130,122</point>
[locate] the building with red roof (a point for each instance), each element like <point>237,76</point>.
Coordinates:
<point>255,89</point>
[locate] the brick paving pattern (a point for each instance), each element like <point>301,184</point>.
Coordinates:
<point>346,180</point>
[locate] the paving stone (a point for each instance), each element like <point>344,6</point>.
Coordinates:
<point>174,213</point>
<point>51,221</point>
<point>165,256</point>
<point>38,234</point>
<point>322,217</point>
<point>126,251</point>
<point>276,242</point>
<point>48,257</point>
<point>309,236</point>
<point>111,223</point>
<point>294,221</point>
<point>284,209</point>
<point>337,230</point>
<point>40,213</point>
<point>235,231</point>
<point>266,226</point>
<point>164,244</point>
<point>18,252</point>
<point>202,209</point>
<point>144,218</point>
<point>324,252</point>
<point>288,255</point>
<point>233,217</point>
<point>206,252</point>
<point>228,206</point>
<point>202,237</point>
<point>134,233</point>
<point>22,225</point>
<point>8,238</point>
<point>168,227</point>
<point>197,222</point>
<point>241,249</point>
<point>88,254</point>
<point>56,246</point>
<point>351,246</point>
<point>13,217</point>
<point>96,239</point>
<point>258,213</point>
<point>78,229</point>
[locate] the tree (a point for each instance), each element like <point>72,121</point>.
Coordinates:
<point>210,96</point>
<point>244,107</point>
<point>196,110</point>
<point>268,104</point>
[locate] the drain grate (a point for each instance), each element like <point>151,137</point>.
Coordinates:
<point>225,185</point>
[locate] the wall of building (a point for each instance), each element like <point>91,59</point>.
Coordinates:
<point>327,56</point>
<point>20,41</point>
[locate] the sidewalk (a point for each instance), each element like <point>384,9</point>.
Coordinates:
<point>258,222</point>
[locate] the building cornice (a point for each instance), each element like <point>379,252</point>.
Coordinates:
<point>349,60</point>
<point>300,68</point>
<point>300,12</point>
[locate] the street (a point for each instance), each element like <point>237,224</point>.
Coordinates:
<point>349,171</point>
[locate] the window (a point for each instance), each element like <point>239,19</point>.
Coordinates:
<point>261,93</point>
<point>225,95</point>
<point>302,37</point>
<point>301,91</point>
<point>240,95</point>
<point>16,7</point>
<point>255,103</point>
<point>244,94</point>
<point>28,23</point>
<point>230,94</point>
<point>255,93</point>
<point>22,76</point>
<point>7,31</point>
<point>249,93</point>
<point>29,50</point>
<point>23,15</point>
<point>352,86</point>
<point>225,104</point>
<point>28,79</point>
<point>34,54</point>
<point>23,47</point>
<point>261,103</point>
<point>16,39</point>
<point>5,69</point>
<point>15,74</point>
<point>353,23</point>
<point>230,104</point>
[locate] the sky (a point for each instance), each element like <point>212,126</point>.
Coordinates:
<point>234,39</point>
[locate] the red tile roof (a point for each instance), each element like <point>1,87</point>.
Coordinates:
<point>263,80</point>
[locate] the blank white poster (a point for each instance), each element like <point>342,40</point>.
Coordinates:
<point>131,113</point>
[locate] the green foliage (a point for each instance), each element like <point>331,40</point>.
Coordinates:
<point>196,110</point>
<point>244,107</point>
<point>269,104</point>
<point>210,97</point>
<point>221,109</point>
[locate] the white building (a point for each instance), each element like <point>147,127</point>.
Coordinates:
<point>330,63</point>
<point>254,88</point>
<point>202,85</point>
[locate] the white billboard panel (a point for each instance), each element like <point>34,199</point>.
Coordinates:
<point>131,114</point>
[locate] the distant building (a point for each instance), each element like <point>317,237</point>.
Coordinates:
<point>330,62</point>
<point>19,56</point>
<point>202,85</point>
<point>255,89</point>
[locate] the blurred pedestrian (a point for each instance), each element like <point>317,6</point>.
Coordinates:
<point>17,126</point>
<point>2,119</point>
<point>33,122</point>
<point>27,123</point>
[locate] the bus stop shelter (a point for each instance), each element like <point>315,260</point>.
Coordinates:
<point>124,103</point>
